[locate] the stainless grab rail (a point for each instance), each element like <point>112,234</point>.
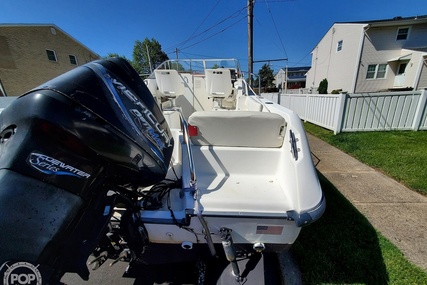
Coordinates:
<point>193,181</point>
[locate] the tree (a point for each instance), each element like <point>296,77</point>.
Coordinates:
<point>112,54</point>
<point>267,77</point>
<point>323,86</point>
<point>147,55</point>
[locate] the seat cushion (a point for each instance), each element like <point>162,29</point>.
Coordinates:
<point>238,128</point>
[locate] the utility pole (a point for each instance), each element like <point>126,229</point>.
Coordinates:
<point>286,79</point>
<point>250,39</point>
<point>149,59</point>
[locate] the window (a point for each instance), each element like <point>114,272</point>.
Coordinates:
<point>51,55</point>
<point>402,33</point>
<point>371,71</point>
<point>339,46</point>
<point>381,70</point>
<point>73,59</point>
<point>402,68</point>
<point>376,71</point>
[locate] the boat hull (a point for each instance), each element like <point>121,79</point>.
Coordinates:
<point>169,243</point>
<point>163,253</point>
<point>244,230</point>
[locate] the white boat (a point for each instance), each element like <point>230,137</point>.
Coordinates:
<point>232,171</point>
<point>241,171</point>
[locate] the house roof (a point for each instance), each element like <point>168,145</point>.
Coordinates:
<point>396,21</point>
<point>391,22</point>
<point>402,57</point>
<point>48,25</point>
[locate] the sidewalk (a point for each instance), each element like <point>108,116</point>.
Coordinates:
<point>399,213</point>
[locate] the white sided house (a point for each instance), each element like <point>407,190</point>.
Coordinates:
<point>372,56</point>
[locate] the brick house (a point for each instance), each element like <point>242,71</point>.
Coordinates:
<point>31,54</point>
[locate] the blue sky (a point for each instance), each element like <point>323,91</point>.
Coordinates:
<point>201,28</point>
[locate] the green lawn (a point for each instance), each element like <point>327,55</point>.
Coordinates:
<point>401,155</point>
<point>343,247</point>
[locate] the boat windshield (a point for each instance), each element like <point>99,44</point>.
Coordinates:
<point>247,90</point>
<point>198,66</point>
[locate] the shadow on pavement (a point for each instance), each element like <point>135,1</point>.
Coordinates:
<point>342,247</point>
<point>256,270</point>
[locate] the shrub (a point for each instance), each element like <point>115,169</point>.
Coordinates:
<point>323,87</point>
<point>336,91</point>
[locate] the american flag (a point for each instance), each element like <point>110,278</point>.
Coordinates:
<point>269,230</point>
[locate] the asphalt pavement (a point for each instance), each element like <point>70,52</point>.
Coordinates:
<point>399,213</point>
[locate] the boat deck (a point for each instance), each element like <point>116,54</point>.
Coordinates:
<point>238,181</point>
<point>242,195</point>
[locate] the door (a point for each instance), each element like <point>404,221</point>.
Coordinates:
<point>399,80</point>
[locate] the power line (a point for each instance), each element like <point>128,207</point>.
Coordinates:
<point>211,36</point>
<point>191,55</point>
<point>281,1</point>
<point>193,37</point>
<point>268,60</point>
<point>275,26</point>
<point>302,59</point>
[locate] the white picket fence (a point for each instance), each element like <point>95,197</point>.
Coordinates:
<point>359,112</point>
<point>351,112</point>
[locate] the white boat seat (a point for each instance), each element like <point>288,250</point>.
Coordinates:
<point>255,129</point>
<point>218,82</point>
<point>169,82</point>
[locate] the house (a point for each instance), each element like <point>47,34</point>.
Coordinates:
<point>372,56</point>
<point>31,54</point>
<point>296,77</point>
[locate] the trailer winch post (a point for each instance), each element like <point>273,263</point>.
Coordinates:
<point>230,251</point>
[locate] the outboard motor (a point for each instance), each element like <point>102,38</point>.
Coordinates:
<point>65,147</point>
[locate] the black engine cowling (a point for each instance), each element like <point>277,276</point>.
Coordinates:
<point>63,145</point>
